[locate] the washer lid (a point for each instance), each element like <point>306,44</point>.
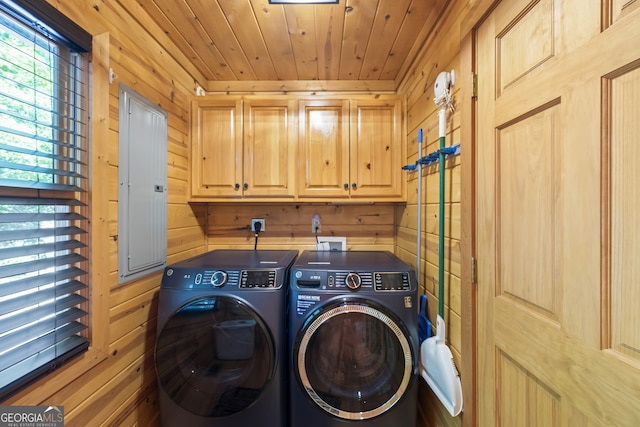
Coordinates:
<point>351,261</point>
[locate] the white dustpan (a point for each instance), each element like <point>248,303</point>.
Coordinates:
<point>439,370</point>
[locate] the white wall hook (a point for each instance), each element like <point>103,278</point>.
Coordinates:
<point>112,75</point>
<point>442,88</point>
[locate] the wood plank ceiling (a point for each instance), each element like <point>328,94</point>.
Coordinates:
<point>252,40</point>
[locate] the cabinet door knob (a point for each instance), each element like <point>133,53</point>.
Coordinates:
<point>346,186</point>
<point>237,186</point>
<point>246,185</point>
<point>354,186</point>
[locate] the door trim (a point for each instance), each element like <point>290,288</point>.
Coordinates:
<point>468,133</point>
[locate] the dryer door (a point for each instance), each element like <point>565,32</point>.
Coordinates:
<point>214,356</point>
<point>354,359</point>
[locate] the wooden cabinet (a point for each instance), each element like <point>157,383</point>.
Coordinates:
<point>352,149</point>
<point>377,149</point>
<point>216,148</point>
<point>243,148</point>
<point>324,149</point>
<point>285,148</point>
<point>270,140</point>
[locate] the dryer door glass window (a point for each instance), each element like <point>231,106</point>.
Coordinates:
<point>354,360</point>
<point>214,356</point>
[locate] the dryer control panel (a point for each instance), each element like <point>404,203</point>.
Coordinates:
<point>258,279</point>
<point>177,278</point>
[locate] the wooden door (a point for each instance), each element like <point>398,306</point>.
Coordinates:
<point>377,149</point>
<point>558,230</point>
<point>216,148</point>
<point>270,139</point>
<point>324,149</point>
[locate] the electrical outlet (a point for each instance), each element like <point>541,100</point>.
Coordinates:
<point>316,226</point>
<point>255,221</point>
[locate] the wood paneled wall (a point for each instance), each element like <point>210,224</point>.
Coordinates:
<point>288,226</point>
<point>442,52</point>
<point>117,387</point>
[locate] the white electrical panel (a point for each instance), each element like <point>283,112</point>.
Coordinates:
<point>142,186</point>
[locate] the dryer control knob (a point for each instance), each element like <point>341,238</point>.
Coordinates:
<point>219,278</point>
<point>353,281</point>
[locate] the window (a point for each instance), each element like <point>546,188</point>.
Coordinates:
<point>43,192</point>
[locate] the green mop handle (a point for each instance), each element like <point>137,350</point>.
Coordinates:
<point>442,119</point>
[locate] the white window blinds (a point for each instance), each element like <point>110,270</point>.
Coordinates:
<point>43,211</point>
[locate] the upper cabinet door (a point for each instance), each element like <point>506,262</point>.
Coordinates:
<point>377,150</point>
<point>270,139</point>
<point>324,149</point>
<point>216,148</point>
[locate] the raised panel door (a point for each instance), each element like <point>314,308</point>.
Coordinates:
<point>376,150</point>
<point>557,226</point>
<point>270,135</point>
<point>323,149</point>
<point>216,148</point>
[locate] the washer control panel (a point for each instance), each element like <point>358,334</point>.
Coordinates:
<point>391,281</point>
<point>354,281</point>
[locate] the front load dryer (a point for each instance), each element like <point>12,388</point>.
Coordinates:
<point>221,343</point>
<point>353,340</point>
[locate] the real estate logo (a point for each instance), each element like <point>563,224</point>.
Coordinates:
<point>31,416</point>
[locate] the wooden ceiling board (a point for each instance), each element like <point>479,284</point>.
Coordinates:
<point>229,41</point>
<point>386,27</point>
<point>204,65</point>
<point>415,28</point>
<point>301,24</point>
<point>220,36</point>
<point>176,17</point>
<point>358,21</point>
<point>329,29</point>
<point>243,22</point>
<point>273,25</point>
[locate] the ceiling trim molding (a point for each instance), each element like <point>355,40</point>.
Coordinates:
<point>309,87</point>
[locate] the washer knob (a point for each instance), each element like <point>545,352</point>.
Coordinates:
<point>219,278</point>
<point>353,281</point>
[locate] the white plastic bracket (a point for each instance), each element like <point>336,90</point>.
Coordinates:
<point>112,75</point>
